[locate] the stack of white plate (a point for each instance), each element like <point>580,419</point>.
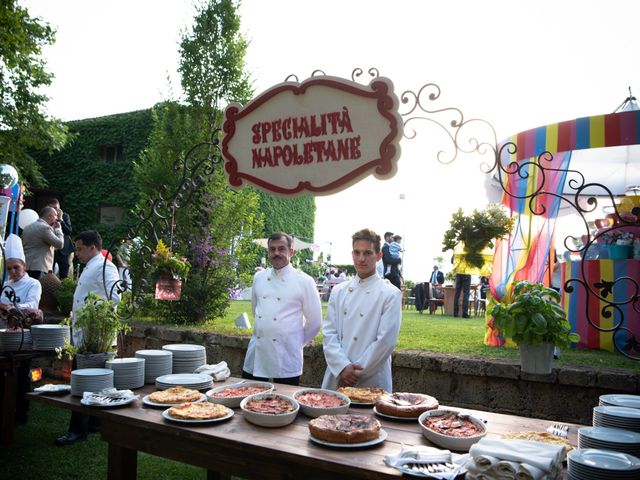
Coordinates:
<point>195,381</point>
<point>620,400</point>
<point>50,337</point>
<point>595,464</point>
<point>127,372</point>
<point>157,363</point>
<point>187,357</point>
<point>616,417</point>
<point>90,380</point>
<point>10,340</point>
<point>605,438</point>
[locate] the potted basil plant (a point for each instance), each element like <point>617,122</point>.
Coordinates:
<point>533,318</point>
<point>99,324</point>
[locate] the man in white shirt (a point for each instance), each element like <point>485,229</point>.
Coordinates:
<point>92,279</point>
<point>287,315</point>
<point>362,323</point>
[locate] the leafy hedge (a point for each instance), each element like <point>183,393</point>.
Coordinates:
<point>87,182</point>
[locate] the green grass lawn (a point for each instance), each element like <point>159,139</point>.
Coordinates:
<point>443,334</point>
<point>33,454</point>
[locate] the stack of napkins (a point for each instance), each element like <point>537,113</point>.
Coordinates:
<point>219,371</point>
<point>514,459</point>
<point>426,461</point>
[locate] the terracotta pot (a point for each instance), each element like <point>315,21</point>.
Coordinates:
<point>168,288</point>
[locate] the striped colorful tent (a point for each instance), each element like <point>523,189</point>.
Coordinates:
<point>525,255</point>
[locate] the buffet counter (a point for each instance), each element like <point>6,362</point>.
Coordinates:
<point>237,447</point>
<point>580,307</point>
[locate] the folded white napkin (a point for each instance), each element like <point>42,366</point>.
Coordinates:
<point>485,462</point>
<point>219,371</point>
<point>542,456</point>
<point>107,396</point>
<point>425,455</point>
<point>53,387</point>
<point>529,472</point>
<point>506,468</point>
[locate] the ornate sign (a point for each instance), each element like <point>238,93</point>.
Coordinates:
<point>318,136</point>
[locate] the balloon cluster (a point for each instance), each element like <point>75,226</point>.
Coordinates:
<point>8,176</point>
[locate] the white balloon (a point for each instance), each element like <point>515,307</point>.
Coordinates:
<point>12,173</point>
<point>27,217</point>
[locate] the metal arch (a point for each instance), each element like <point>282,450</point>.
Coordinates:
<point>450,120</point>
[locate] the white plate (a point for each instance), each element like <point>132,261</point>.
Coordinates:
<point>116,403</point>
<point>183,347</point>
<point>621,400</point>
<point>166,415</point>
<point>393,417</point>
<point>381,438</point>
<point>632,414</point>
<point>92,372</point>
<point>610,435</point>
<point>605,459</point>
<point>151,403</point>
<point>183,378</point>
<point>53,389</point>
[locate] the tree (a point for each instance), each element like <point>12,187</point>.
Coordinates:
<point>215,227</point>
<point>24,124</point>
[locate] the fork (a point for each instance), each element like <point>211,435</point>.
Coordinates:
<point>430,467</point>
<point>559,430</point>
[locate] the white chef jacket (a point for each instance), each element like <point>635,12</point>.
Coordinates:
<point>287,315</point>
<point>91,281</point>
<point>28,290</point>
<point>362,326</point>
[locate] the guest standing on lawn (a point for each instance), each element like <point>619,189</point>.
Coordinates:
<point>362,323</point>
<point>286,315</point>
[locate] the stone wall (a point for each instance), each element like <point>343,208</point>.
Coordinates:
<point>568,394</point>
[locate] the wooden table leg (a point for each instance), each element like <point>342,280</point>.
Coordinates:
<point>10,381</point>
<point>122,463</point>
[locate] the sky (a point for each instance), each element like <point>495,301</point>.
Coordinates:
<point>516,64</point>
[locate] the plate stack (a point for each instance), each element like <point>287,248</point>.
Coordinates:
<point>157,363</point>
<point>620,400</point>
<point>186,357</point>
<point>194,381</point>
<point>616,417</point>
<point>594,464</point>
<point>50,337</point>
<point>128,373</point>
<point>10,340</point>
<point>90,380</point>
<point>605,438</point>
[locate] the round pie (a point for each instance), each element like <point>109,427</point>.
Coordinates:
<point>345,428</point>
<point>269,405</point>
<point>198,411</point>
<point>402,404</point>
<point>362,394</point>
<point>240,391</point>
<point>452,424</point>
<point>320,400</point>
<point>175,395</point>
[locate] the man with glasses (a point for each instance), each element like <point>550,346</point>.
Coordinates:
<point>363,321</point>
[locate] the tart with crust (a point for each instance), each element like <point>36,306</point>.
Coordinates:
<point>345,428</point>
<point>198,411</point>
<point>175,395</point>
<point>404,404</point>
<point>362,394</point>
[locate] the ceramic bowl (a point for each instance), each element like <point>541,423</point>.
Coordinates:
<point>234,402</point>
<point>315,412</point>
<point>459,444</point>
<point>266,419</point>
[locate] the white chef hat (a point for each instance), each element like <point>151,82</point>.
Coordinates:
<point>13,247</point>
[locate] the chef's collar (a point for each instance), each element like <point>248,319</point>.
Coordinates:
<point>362,281</point>
<point>283,271</point>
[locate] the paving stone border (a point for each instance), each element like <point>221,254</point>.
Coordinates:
<point>568,394</point>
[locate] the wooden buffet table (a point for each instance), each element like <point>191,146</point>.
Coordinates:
<point>237,447</point>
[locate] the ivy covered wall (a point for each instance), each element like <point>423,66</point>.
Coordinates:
<point>87,181</point>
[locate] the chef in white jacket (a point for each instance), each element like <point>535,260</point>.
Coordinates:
<point>287,315</point>
<point>362,324</point>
